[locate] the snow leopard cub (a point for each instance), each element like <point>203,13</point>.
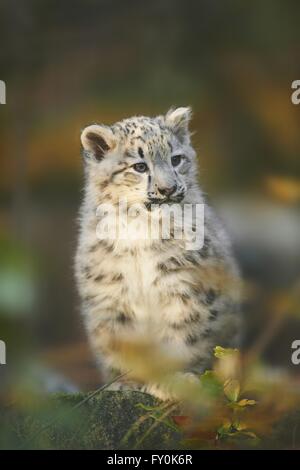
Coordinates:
<point>143,286</point>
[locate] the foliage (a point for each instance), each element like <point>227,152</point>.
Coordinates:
<point>224,409</point>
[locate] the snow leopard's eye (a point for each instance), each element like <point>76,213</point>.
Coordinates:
<point>140,167</point>
<point>176,159</point>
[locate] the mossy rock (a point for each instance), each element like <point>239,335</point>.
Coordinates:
<point>109,420</point>
<point>112,420</point>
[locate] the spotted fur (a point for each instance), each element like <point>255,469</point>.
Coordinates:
<point>186,299</point>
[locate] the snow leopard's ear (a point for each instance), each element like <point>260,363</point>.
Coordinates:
<point>97,141</point>
<point>178,120</point>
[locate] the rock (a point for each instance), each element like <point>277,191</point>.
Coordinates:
<point>73,421</point>
<point>115,420</point>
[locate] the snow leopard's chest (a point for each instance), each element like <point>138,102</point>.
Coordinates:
<point>139,274</point>
<point>134,276</point>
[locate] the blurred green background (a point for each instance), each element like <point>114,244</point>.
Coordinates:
<point>67,64</point>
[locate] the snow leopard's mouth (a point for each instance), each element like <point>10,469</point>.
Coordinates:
<point>168,200</point>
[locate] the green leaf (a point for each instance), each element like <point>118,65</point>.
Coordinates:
<point>245,402</point>
<point>147,407</point>
<point>232,389</point>
<point>220,352</point>
<point>211,383</point>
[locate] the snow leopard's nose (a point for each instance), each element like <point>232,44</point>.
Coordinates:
<point>167,191</point>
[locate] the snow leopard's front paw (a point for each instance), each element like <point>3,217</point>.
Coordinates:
<point>123,386</point>
<point>171,390</point>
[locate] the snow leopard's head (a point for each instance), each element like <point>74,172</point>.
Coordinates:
<point>147,160</point>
